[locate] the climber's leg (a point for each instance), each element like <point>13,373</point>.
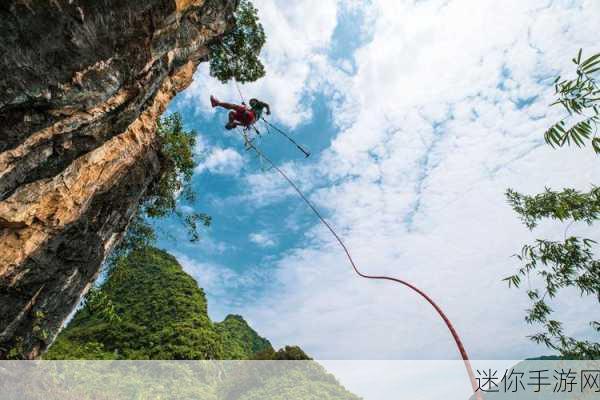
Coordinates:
<point>233,121</point>
<point>229,106</point>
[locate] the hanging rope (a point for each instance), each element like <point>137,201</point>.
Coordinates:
<point>237,85</point>
<point>288,137</point>
<point>453,332</point>
<point>266,126</point>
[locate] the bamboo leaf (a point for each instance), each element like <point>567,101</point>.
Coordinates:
<point>576,135</point>
<point>547,136</point>
<point>587,68</point>
<point>590,60</point>
<point>596,145</point>
<point>594,70</point>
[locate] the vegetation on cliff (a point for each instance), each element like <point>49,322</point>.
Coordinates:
<point>171,188</point>
<point>236,55</point>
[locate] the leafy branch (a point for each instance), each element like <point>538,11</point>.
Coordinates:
<point>580,98</point>
<point>236,54</point>
<point>175,182</point>
<point>169,189</point>
<point>567,204</point>
<point>559,265</point>
<point>571,263</point>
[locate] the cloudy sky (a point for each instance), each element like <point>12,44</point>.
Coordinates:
<point>419,115</point>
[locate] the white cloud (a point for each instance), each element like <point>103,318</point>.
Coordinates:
<point>213,278</point>
<point>221,161</point>
<point>262,239</point>
<point>267,187</point>
<point>201,146</point>
<point>219,283</point>
<point>430,138</point>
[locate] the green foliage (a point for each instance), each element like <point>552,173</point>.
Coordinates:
<point>38,330</point>
<point>241,341</point>
<point>139,235</point>
<point>173,185</point>
<point>193,222</point>
<point>236,56</point>
<point>580,97</point>
<point>174,380</point>
<point>570,263</point>
<point>149,308</point>
<point>177,169</point>
<point>289,353</point>
<point>284,380</point>
<point>560,265</point>
<point>161,315</point>
<point>567,204</point>
<point>100,305</point>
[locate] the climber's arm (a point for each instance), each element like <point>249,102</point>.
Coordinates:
<point>267,107</point>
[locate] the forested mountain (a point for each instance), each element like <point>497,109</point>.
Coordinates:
<point>150,308</point>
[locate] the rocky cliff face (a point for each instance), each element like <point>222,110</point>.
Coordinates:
<point>82,83</point>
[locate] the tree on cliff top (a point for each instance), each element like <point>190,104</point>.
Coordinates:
<point>237,54</point>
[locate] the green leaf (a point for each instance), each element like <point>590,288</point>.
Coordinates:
<point>590,60</point>
<point>592,71</point>
<point>590,67</point>
<point>596,144</point>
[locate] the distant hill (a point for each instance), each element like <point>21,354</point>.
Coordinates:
<point>158,312</point>
<point>239,339</point>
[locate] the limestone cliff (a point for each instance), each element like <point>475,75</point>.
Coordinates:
<point>82,83</point>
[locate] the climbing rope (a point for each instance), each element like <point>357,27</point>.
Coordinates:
<point>288,137</point>
<point>237,85</point>
<point>453,332</point>
<point>446,320</point>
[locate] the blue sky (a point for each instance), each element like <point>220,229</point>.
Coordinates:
<point>419,114</point>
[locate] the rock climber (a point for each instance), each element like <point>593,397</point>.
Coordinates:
<point>241,115</point>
